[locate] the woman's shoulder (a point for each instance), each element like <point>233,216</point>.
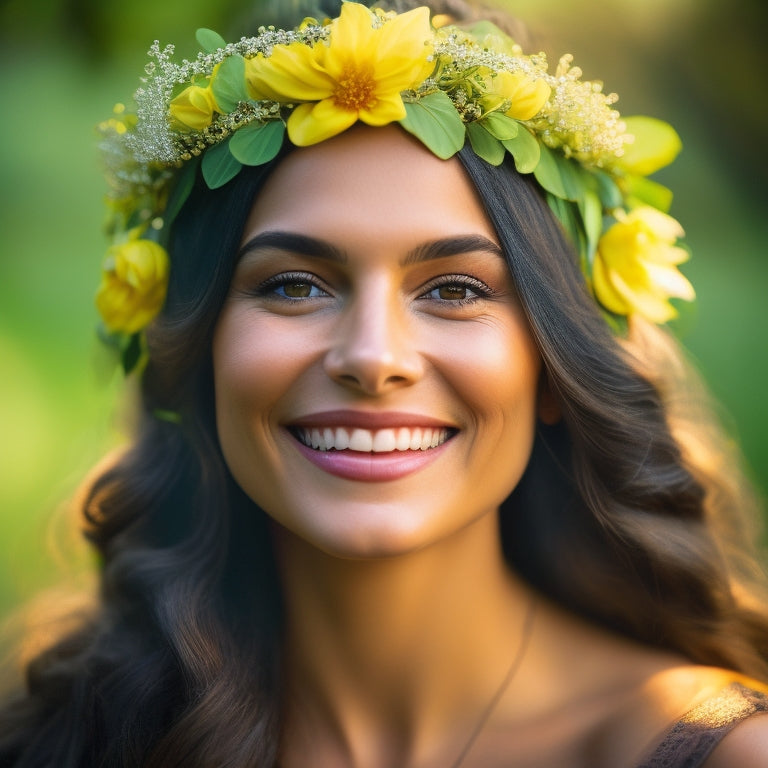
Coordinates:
<point>720,719</point>
<point>746,745</point>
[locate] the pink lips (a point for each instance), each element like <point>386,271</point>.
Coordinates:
<point>368,466</point>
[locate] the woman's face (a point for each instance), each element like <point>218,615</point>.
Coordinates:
<point>376,381</point>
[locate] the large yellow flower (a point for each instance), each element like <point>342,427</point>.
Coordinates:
<point>635,269</point>
<point>133,285</point>
<point>358,74</point>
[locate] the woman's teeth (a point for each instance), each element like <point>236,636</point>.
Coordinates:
<point>372,441</point>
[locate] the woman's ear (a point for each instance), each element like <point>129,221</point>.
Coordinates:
<point>548,407</point>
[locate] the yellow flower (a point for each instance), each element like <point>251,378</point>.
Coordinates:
<point>358,74</point>
<point>527,95</point>
<point>635,266</point>
<point>133,285</point>
<point>193,108</point>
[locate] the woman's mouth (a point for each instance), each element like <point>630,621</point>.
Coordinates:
<point>372,440</point>
<point>370,447</point>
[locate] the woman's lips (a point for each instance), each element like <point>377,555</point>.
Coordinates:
<point>370,447</point>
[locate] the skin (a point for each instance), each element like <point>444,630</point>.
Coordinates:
<point>376,338</point>
<point>402,617</point>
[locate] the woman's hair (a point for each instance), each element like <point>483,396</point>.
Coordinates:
<point>615,518</point>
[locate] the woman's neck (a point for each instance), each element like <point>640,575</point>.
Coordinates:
<point>394,653</point>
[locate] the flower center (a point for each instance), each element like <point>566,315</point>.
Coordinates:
<point>355,89</point>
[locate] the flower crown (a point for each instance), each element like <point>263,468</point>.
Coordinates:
<point>236,103</point>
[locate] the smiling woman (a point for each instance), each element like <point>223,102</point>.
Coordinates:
<point>411,485</point>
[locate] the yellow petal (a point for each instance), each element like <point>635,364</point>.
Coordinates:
<point>643,301</point>
<point>408,37</point>
<point>605,292</point>
<point>291,73</point>
<point>313,123</point>
<point>396,52</point>
<point>388,109</point>
<point>402,73</point>
<point>351,32</point>
<point>662,224</point>
<point>655,145</point>
<point>526,94</point>
<point>192,109</point>
<point>670,281</point>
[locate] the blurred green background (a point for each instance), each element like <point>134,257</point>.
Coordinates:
<point>697,63</point>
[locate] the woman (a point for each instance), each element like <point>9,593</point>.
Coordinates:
<point>399,496</point>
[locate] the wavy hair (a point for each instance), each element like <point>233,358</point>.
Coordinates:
<point>616,518</point>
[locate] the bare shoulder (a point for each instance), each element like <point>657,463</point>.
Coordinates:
<point>671,710</point>
<point>746,745</point>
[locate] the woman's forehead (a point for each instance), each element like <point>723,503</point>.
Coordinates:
<point>375,180</point>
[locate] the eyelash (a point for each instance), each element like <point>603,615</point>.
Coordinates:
<point>477,287</point>
<point>270,288</point>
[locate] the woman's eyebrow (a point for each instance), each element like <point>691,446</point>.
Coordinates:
<point>306,245</point>
<point>452,246</point>
<point>293,242</point>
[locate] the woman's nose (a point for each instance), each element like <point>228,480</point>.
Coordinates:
<point>373,350</point>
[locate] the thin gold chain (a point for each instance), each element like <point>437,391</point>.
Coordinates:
<point>514,667</point>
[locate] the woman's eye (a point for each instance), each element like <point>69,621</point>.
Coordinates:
<point>452,292</point>
<point>463,291</point>
<point>298,290</point>
<point>292,287</point>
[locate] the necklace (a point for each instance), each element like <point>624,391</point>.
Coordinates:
<point>514,667</point>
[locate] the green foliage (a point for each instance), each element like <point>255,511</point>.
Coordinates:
<point>501,126</point>
<point>568,215</point>
<point>607,189</point>
<point>525,149</point>
<point>229,84</point>
<point>485,145</point>
<point>132,353</point>
<point>435,122</point>
<point>257,143</point>
<point>219,166</point>
<point>642,190</point>
<point>558,175</point>
<point>591,210</point>
<point>180,192</point>
<point>209,40</point>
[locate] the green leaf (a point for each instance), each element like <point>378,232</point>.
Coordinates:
<point>501,126</point>
<point>229,84</point>
<point>591,210</point>
<point>485,145</point>
<point>568,215</point>
<point>219,166</point>
<point>526,150</point>
<point>648,192</point>
<point>257,143</point>
<point>180,192</point>
<point>608,190</point>
<point>132,353</point>
<point>435,122</point>
<point>559,175</point>
<point>209,40</point>
<point>162,414</point>
<point>481,29</point>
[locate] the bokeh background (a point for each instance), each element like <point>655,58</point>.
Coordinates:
<point>698,63</point>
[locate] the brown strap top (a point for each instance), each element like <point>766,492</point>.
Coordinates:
<point>692,739</point>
